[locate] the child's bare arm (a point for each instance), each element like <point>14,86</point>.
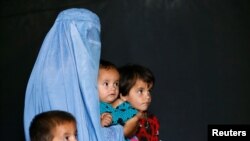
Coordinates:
<point>131,125</point>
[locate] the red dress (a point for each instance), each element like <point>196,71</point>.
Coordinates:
<point>148,129</point>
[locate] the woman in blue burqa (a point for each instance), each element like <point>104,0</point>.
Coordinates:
<point>64,76</point>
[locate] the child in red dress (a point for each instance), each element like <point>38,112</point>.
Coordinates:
<point>136,83</point>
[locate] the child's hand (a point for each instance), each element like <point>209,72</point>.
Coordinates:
<point>106,119</point>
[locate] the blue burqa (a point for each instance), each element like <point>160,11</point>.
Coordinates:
<point>64,76</point>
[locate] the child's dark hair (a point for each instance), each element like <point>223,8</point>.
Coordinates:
<point>42,125</point>
<point>104,64</point>
<point>129,74</point>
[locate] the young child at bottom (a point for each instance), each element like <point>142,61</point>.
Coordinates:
<point>53,126</point>
<point>135,85</point>
<point>112,111</point>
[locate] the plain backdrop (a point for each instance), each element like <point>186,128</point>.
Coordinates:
<point>197,49</point>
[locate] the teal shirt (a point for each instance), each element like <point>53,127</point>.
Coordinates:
<point>120,114</point>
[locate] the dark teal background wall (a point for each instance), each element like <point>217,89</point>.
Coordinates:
<point>197,49</point>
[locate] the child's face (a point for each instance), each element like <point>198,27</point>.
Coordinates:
<point>139,95</point>
<point>108,85</point>
<point>65,132</point>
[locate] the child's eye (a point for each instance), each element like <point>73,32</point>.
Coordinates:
<point>140,91</point>
<point>116,84</point>
<point>149,92</point>
<point>66,138</point>
<point>105,83</point>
